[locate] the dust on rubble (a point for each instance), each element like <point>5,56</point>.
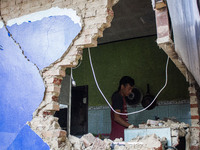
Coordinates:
<point>148,142</point>
<point>89,142</point>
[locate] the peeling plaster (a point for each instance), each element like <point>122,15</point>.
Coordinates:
<point>51,31</point>
<point>44,123</point>
<point>26,47</point>
<point>47,39</point>
<point>54,11</point>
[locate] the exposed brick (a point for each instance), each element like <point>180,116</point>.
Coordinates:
<point>194,117</point>
<point>192,89</point>
<point>197,128</point>
<point>18,1</point>
<point>53,88</point>
<point>194,111</point>
<point>91,13</point>
<point>194,148</point>
<point>51,96</point>
<point>192,94</point>
<point>57,81</point>
<point>99,15</point>
<point>54,133</point>
<point>194,122</point>
<point>193,105</point>
<point>90,30</point>
<point>46,113</point>
<point>52,107</point>
<point>162,23</point>
<point>4,11</point>
<point>193,100</point>
<point>87,41</point>
<point>55,98</point>
<point>11,3</point>
<point>110,12</point>
<point>4,4</point>
<point>54,72</point>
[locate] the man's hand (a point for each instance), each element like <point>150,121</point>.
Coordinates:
<point>131,126</point>
<point>119,120</point>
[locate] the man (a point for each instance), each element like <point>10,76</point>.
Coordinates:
<point>120,122</point>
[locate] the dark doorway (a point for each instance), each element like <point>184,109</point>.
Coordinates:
<point>79,112</point>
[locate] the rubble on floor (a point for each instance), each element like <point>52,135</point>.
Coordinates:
<point>178,129</point>
<point>89,142</point>
<point>148,142</point>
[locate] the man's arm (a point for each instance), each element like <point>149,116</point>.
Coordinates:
<point>119,120</point>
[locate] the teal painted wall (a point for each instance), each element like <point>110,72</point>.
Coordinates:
<point>99,120</point>
<point>139,58</point>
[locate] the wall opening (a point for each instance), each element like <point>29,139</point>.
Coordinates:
<point>51,69</point>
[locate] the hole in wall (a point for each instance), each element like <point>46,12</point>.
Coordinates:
<point>142,22</point>
<point>73,113</point>
<point>103,69</point>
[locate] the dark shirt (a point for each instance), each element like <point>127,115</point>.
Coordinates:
<point>117,130</point>
<point>117,101</point>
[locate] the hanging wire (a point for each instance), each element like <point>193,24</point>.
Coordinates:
<point>78,65</point>
<point>72,79</point>
<point>166,80</point>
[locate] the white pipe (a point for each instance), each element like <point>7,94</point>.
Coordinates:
<point>166,79</point>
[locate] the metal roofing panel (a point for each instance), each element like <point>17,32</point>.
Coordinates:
<point>185,21</point>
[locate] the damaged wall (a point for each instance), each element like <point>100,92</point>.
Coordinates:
<point>40,43</point>
<point>22,92</point>
<point>139,58</point>
<point>186,24</point>
<point>183,51</point>
<point>32,73</point>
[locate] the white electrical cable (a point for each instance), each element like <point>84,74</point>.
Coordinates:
<point>72,79</point>
<point>77,65</point>
<point>166,79</point>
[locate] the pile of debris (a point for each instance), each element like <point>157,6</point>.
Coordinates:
<point>178,129</point>
<point>89,142</point>
<point>148,142</point>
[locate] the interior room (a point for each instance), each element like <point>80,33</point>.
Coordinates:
<point>103,74</point>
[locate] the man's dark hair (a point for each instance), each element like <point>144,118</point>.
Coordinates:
<point>126,80</point>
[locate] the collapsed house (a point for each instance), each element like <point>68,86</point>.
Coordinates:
<point>37,68</point>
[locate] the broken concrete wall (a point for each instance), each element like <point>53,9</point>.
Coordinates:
<point>183,52</point>
<point>44,79</point>
<point>195,119</point>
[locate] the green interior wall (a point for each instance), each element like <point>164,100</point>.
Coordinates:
<point>139,58</point>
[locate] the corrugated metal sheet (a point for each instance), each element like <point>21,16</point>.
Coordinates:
<point>185,20</point>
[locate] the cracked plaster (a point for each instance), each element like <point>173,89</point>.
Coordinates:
<point>21,37</point>
<point>93,24</point>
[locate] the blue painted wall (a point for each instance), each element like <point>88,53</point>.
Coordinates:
<point>22,88</point>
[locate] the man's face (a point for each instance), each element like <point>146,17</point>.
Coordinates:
<point>126,90</point>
